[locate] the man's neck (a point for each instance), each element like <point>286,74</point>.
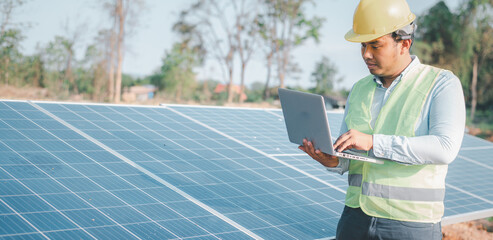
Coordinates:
<point>387,80</point>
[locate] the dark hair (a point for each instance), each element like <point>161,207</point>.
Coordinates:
<point>400,35</point>
<point>397,38</point>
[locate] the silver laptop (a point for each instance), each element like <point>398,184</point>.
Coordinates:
<point>305,117</point>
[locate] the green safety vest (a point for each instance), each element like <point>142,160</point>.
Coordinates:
<point>392,190</point>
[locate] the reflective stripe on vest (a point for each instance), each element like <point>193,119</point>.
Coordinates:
<point>403,193</point>
<point>355,180</point>
<point>392,190</point>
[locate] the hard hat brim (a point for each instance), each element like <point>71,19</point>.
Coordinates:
<point>359,38</point>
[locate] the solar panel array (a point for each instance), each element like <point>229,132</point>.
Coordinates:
<point>82,171</point>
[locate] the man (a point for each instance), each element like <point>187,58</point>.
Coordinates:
<point>412,115</point>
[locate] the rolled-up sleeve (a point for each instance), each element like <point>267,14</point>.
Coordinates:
<point>438,140</point>
<point>341,168</point>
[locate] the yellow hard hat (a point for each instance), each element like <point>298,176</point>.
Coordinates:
<point>375,18</point>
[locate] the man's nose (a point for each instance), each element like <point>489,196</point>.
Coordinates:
<point>366,52</point>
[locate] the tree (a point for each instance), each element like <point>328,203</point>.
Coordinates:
<point>476,23</point>
<point>93,72</point>
<point>217,33</point>
<point>7,8</point>
<point>121,14</point>
<point>324,76</point>
<point>124,14</point>
<point>295,28</point>
<point>9,45</point>
<point>54,57</point>
<point>284,26</point>
<point>177,76</point>
<point>68,44</point>
<point>246,34</point>
<point>109,37</point>
<point>461,42</point>
<point>267,27</point>
<point>10,36</point>
<point>34,71</point>
<point>437,37</point>
<point>104,43</point>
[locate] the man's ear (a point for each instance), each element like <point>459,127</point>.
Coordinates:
<point>406,45</point>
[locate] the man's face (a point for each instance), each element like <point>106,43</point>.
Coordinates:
<point>381,56</point>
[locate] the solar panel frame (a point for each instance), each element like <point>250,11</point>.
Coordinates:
<point>258,186</point>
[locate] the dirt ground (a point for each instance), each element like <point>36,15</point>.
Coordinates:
<point>26,93</point>
<point>473,230</point>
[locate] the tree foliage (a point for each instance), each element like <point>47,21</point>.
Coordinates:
<point>324,77</point>
<point>284,25</point>
<point>232,33</point>
<point>461,41</point>
<point>177,77</point>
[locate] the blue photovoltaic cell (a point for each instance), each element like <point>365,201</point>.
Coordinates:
<point>59,194</point>
<point>224,183</point>
<point>109,171</point>
<point>462,196</point>
<point>267,127</point>
<point>475,143</point>
<point>178,156</point>
<point>475,183</point>
<point>301,162</point>
<point>264,130</point>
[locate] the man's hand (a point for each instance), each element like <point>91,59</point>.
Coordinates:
<point>323,158</point>
<point>354,139</point>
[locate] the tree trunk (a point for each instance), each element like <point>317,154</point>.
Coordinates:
<point>111,62</point>
<point>37,73</point>
<point>230,64</point>
<point>205,90</point>
<point>230,84</point>
<point>118,82</point>
<point>242,85</point>
<point>7,62</point>
<point>111,75</point>
<point>474,83</point>
<point>179,88</point>
<point>278,55</point>
<point>269,68</point>
<point>96,82</point>
<point>69,75</point>
<point>285,52</point>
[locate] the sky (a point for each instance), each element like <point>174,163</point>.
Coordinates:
<point>153,36</point>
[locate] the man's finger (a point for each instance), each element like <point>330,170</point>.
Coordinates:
<point>341,139</point>
<point>342,144</point>
<point>345,145</point>
<point>320,154</point>
<point>301,148</point>
<point>307,148</point>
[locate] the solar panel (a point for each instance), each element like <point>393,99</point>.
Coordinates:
<point>137,172</point>
<point>465,199</point>
<point>63,184</point>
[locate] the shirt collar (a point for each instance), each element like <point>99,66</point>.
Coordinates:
<point>414,62</point>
